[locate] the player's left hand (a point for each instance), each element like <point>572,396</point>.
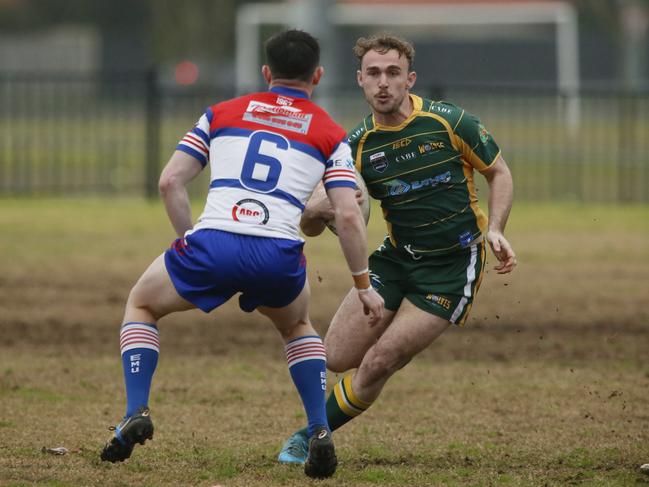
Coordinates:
<point>503,252</point>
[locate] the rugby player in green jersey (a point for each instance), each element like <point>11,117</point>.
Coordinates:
<point>417,157</point>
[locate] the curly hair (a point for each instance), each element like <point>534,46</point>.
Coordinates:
<point>382,43</point>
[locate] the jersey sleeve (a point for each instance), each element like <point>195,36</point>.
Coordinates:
<point>475,143</point>
<point>339,168</point>
<point>196,142</point>
<point>353,139</point>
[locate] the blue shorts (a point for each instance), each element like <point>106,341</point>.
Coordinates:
<point>209,266</point>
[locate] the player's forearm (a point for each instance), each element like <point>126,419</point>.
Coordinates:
<point>353,238</point>
<point>178,172</point>
<point>176,201</point>
<point>501,194</point>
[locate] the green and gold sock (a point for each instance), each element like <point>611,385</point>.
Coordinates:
<point>343,405</point>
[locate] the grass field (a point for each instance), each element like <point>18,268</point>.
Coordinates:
<point>548,384</point>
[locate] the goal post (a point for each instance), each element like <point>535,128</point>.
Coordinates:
<point>562,15</point>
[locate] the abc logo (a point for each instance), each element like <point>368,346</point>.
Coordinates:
<point>250,211</point>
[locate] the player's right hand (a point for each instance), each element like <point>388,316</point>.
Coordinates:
<point>373,305</point>
<point>503,252</point>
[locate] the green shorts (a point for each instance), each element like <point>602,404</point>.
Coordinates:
<point>443,285</point>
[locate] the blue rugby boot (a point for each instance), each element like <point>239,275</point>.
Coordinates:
<point>135,429</point>
<point>296,448</point>
<point>321,461</point>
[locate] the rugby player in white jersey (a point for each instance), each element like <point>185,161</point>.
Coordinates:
<point>267,152</point>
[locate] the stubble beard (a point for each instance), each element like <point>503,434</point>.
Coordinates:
<point>385,109</point>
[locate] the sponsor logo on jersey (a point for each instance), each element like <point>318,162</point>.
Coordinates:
<point>375,279</point>
<point>431,147</point>
<point>408,156</point>
<point>484,135</point>
<point>283,100</point>
<point>379,161</point>
<point>465,238</point>
<point>250,211</point>
<point>397,186</point>
<point>440,109</point>
<point>399,144</point>
<point>439,300</point>
<point>346,163</point>
<point>355,134</point>
<point>283,117</point>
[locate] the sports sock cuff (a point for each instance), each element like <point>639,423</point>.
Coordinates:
<point>138,335</point>
<point>305,348</point>
<point>347,400</point>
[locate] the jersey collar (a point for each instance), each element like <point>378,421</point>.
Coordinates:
<point>417,105</point>
<point>292,92</point>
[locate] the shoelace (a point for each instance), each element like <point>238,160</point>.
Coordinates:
<point>114,428</point>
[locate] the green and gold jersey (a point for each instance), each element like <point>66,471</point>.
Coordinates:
<point>422,172</point>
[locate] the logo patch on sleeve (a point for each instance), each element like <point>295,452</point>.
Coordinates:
<point>484,135</point>
<point>344,163</point>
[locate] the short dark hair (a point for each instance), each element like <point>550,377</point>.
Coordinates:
<point>292,54</point>
<point>382,43</point>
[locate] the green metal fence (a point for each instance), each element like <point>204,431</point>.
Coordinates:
<point>111,133</point>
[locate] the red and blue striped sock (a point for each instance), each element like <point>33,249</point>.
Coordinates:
<point>307,363</point>
<point>140,346</point>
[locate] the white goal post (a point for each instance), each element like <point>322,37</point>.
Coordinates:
<point>560,14</point>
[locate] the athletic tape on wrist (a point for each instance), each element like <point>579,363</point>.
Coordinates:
<point>362,281</point>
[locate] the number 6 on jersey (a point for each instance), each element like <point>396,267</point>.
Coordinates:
<point>261,172</point>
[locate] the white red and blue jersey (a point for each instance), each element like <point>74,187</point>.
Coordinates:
<point>267,152</point>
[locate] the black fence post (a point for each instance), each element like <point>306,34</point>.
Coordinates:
<point>153,123</point>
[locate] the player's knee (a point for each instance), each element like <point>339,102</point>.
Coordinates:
<point>136,296</point>
<point>382,362</point>
<point>138,305</point>
<point>132,297</point>
<point>295,329</point>
<point>374,369</point>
